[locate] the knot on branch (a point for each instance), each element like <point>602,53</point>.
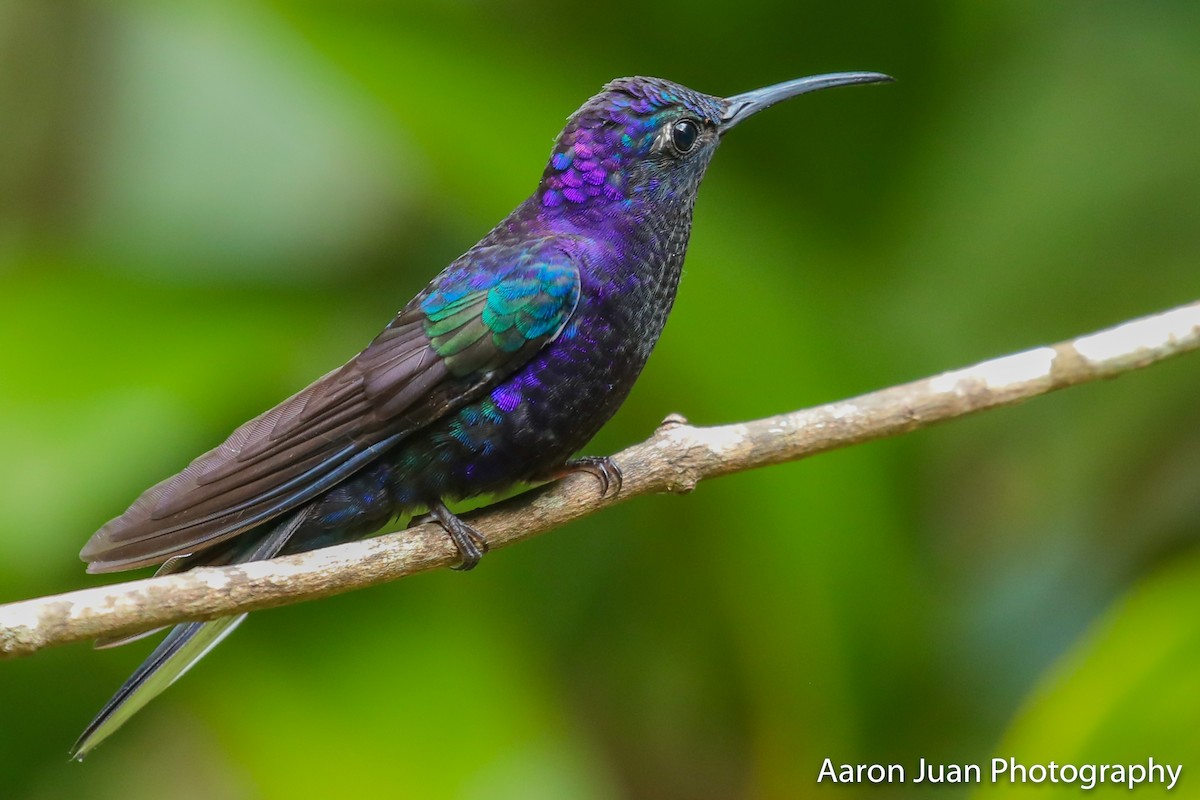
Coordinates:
<point>672,420</point>
<point>682,481</point>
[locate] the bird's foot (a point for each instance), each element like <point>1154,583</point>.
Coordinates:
<point>471,543</point>
<point>604,468</point>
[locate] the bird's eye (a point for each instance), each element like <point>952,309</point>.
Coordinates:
<point>684,134</point>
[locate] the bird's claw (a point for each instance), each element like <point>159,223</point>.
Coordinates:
<point>604,468</point>
<point>471,544</point>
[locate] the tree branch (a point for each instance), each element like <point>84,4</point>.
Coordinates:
<point>674,459</point>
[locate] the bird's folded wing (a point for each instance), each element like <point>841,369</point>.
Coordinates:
<point>471,327</point>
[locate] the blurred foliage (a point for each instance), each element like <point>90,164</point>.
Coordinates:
<point>205,205</point>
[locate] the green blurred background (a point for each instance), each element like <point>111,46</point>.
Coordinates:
<point>204,205</point>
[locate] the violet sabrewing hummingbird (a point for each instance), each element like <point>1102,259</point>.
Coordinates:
<point>495,374</point>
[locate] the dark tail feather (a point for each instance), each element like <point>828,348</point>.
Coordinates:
<point>176,654</point>
<point>184,646</point>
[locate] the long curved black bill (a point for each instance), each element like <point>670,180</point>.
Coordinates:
<point>748,104</point>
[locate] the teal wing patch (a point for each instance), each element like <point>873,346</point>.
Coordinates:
<point>481,329</point>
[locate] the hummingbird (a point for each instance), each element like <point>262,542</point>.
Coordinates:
<point>496,374</point>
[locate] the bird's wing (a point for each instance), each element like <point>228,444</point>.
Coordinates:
<point>463,334</point>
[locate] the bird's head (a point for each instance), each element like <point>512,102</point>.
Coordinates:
<point>651,139</point>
